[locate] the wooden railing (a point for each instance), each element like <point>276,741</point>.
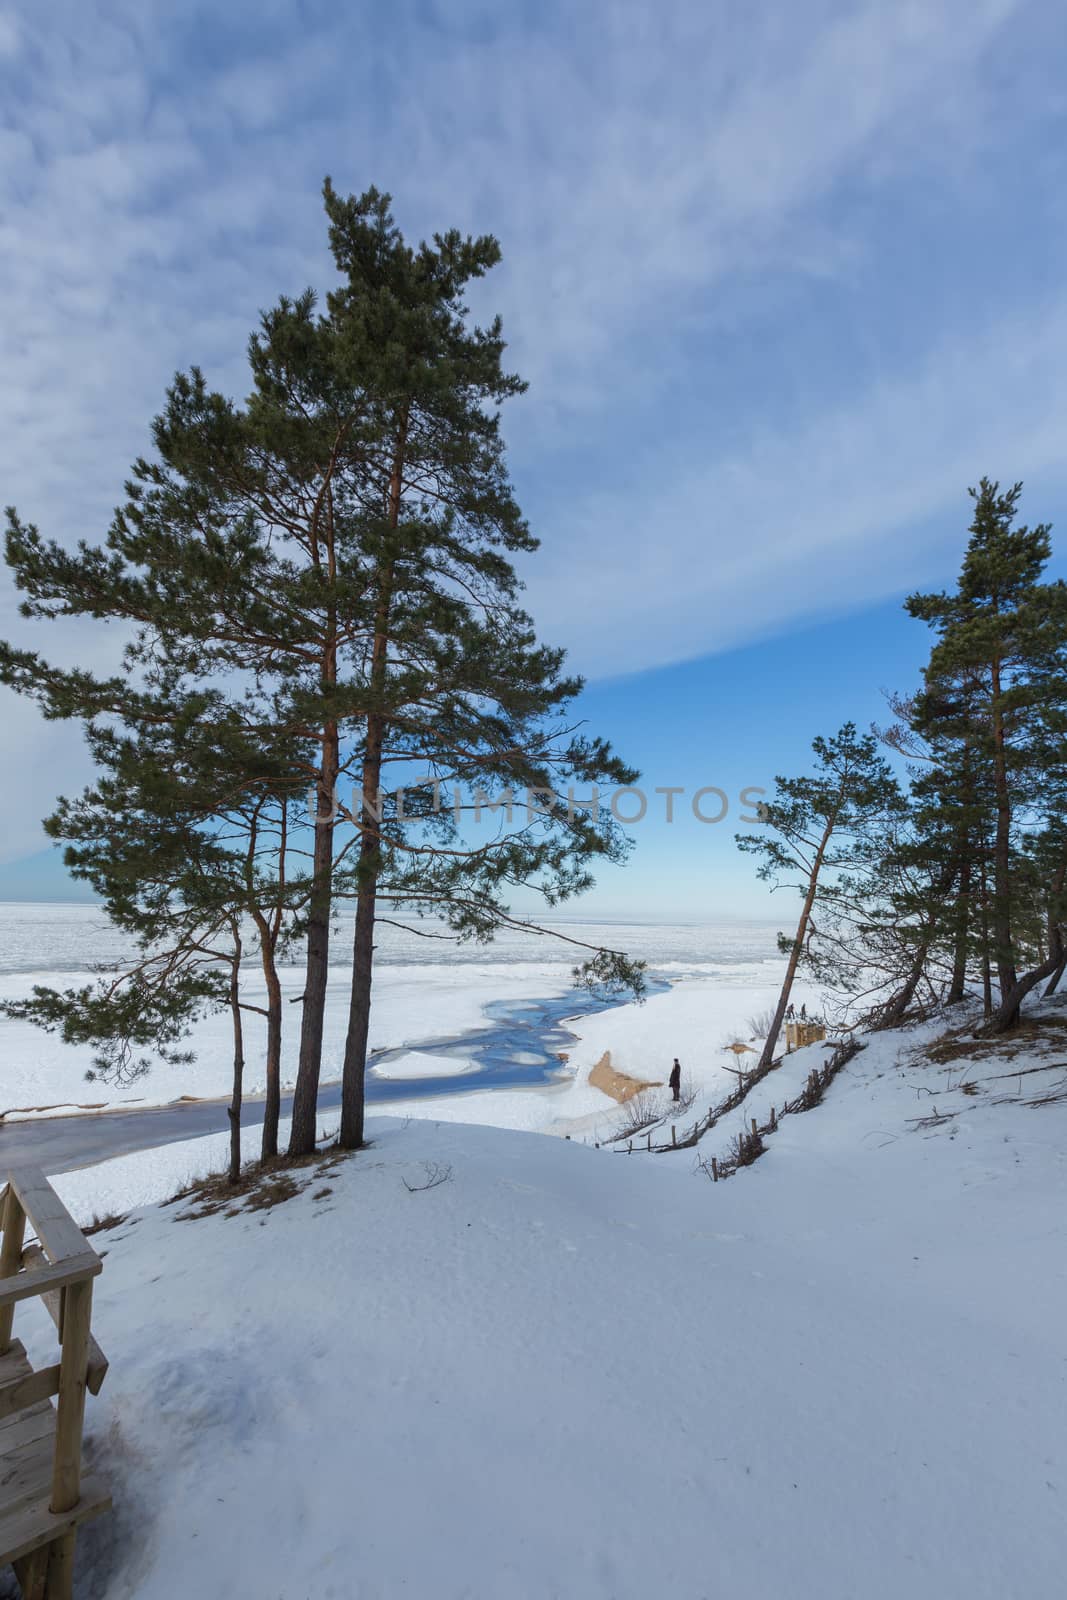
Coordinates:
<point>42,1494</point>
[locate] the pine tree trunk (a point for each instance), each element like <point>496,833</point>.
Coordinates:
<point>353,1081</point>
<point>1002,939</point>
<point>234,1108</point>
<point>798,944</point>
<point>273,1100</point>
<point>354,1075</point>
<point>1055,937</point>
<point>987,976</point>
<point>1007,1013</point>
<point>306,1093</point>
<point>1055,980</point>
<point>899,1003</point>
<point>353,1085</point>
<point>958,986</point>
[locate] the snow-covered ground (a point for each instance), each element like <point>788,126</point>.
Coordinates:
<point>410,1003</point>
<point>563,1372</point>
<point>695,1020</point>
<point>416,1001</point>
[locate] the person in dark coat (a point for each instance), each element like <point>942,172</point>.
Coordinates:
<point>675,1079</point>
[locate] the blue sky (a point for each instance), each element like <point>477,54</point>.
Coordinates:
<point>785,278</point>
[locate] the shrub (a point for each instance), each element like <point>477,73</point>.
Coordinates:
<point>760,1024</point>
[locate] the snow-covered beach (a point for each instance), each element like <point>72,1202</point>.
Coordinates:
<point>425,992</point>
<point>858,1321</point>
<point>836,1374</point>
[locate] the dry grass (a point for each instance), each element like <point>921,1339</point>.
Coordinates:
<point>641,1111</point>
<point>745,1148</point>
<point>1053,1097</point>
<point>113,1219</point>
<point>760,1023</point>
<point>1042,1032</point>
<point>261,1186</point>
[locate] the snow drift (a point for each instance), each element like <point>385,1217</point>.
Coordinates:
<point>479,1363</point>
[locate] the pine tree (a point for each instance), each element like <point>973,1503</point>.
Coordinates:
<point>336,549</point>
<point>457,687</point>
<point>1004,633</point>
<point>816,829</point>
<point>183,838</point>
<point>942,854</point>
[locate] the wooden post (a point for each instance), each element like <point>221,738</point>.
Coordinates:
<point>650,1140</point>
<point>674,1133</point>
<point>755,1130</point>
<point>70,1407</point>
<point>32,1574</point>
<point>14,1224</point>
<point>60,1585</point>
<point>714,1169</point>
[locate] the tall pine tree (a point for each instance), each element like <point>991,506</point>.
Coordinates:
<point>1003,634</point>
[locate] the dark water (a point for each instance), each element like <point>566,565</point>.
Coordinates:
<point>520,1049</point>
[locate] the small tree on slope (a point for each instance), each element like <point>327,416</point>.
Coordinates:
<point>184,839</point>
<point>817,827</point>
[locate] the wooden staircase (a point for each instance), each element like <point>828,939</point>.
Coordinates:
<point>43,1496</point>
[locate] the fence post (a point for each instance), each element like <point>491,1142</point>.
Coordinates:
<point>714,1169</point>
<point>674,1133</point>
<point>14,1225</point>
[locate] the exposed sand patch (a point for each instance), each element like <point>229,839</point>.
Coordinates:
<point>619,1085</point>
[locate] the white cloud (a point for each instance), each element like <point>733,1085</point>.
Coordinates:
<point>690,559</point>
<point>643,165</point>
<point>631,158</point>
<point>9,35</point>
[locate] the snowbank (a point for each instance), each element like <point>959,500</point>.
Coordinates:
<point>563,1372</point>
<point>422,1064</point>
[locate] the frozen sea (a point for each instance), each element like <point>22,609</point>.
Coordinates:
<point>66,938</point>
<point>447,1022</point>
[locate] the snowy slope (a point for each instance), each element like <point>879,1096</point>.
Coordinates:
<point>563,1372</point>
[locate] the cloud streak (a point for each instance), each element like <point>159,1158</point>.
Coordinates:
<point>688,195</point>
<point>862,502</point>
